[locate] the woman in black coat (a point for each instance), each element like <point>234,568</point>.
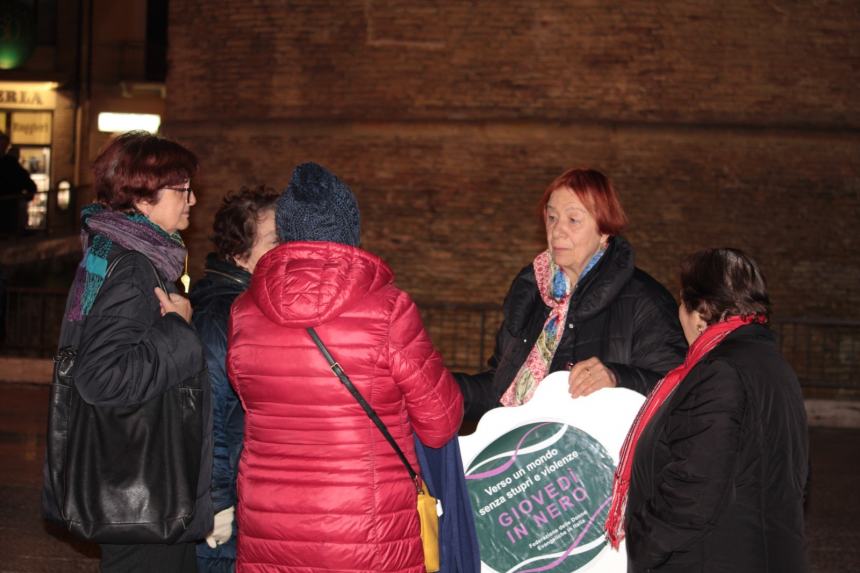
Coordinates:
<point>581,305</point>
<point>134,341</point>
<point>713,470</point>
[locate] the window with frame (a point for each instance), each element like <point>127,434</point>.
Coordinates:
<point>30,135</point>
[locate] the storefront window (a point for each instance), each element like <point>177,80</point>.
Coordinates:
<point>37,160</point>
<point>27,117</point>
<point>30,132</point>
<point>37,211</point>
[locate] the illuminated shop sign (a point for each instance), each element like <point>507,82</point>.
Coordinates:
<point>28,95</point>
<point>31,128</point>
<point>120,122</point>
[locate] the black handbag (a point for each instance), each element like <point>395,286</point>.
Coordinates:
<point>123,474</point>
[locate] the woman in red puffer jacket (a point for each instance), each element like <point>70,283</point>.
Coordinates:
<point>319,487</point>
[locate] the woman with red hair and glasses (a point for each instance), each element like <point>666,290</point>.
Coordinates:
<point>134,342</point>
<point>580,305</point>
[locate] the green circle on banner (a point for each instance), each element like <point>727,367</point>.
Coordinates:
<point>541,493</point>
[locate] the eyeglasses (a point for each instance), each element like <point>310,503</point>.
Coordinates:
<point>187,190</point>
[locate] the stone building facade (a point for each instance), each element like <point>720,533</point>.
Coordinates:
<point>720,123</point>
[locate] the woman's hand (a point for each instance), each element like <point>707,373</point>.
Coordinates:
<point>174,303</point>
<point>223,528</point>
<point>589,376</point>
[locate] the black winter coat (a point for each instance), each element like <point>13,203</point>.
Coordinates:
<point>211,298</point>
<point>128,353</point>
<point>719,472</point>
<point>617,313</point>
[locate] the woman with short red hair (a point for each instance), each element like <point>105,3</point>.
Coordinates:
<point>580,305</point>
<point>134,342</point>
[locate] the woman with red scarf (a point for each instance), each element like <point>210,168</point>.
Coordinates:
<point>712,473</point>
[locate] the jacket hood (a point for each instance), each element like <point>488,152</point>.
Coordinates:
<point>220,279</point>
<point>302,284</point>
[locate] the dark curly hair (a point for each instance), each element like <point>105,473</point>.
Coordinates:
<point>236,220</point>
<point>136,165</point>
<point>719,283</point>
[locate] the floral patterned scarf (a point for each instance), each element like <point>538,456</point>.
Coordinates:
<point>555,291</point>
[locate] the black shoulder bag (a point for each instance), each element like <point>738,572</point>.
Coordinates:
<point>428,514</point>
<point>123,474</point>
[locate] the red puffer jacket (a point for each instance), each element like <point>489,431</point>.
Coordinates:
<point>319,487</point>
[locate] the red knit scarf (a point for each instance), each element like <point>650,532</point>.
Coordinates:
<point>706,342</point>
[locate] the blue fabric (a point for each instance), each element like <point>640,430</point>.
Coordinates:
<point>95,264</point>
<point>211,298</point>
<point>222,559</point>
<point>442,470</point>
<point>560,285</point>
<point>591,263</point>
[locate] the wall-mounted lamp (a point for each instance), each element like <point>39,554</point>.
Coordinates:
<point>64,195</point>
<point>122,122</point>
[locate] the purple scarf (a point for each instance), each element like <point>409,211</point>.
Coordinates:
<point>100,229</point>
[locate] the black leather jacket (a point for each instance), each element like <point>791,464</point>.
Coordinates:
<point>128,353</point>
<point>618,313</point>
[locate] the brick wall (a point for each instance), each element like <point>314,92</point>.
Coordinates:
<point>720,125</point>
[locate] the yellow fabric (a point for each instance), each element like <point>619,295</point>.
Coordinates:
<point>429,529</point>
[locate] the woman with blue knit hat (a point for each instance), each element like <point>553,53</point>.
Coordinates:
<point>319,486</point>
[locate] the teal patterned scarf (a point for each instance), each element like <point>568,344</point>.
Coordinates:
<point>100,229</point>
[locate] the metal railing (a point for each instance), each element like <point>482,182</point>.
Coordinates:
<point>464,334</point>
<point>32,319</point>
<point>825,353</point>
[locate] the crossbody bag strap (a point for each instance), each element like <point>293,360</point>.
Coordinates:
<point>336,368</point>
<point>124,255</point>
<point>117,260</point>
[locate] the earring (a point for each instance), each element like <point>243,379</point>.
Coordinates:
<point>185,279</point>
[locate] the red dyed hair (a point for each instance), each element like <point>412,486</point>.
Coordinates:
<point>595,191</point>
<point>136,165</point>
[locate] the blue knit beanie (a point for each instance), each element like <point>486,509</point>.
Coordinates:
<point>317,206</point>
